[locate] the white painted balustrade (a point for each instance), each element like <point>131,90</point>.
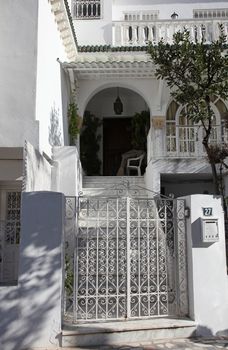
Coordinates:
<point>134,33</point>
<point>183,142</point>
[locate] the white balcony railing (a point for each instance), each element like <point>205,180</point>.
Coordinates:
<point>138,33</point>
<point>186,142</point>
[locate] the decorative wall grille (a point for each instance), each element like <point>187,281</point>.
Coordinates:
<point>10,237</point>
<point>86,9</point>
<point>141,15</point>
<point>129,261</point>
<point>210,13</point>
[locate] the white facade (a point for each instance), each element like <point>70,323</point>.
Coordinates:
<point>44,66</point>
<point>18,73</point>
<point>114,17</point>
<point>110,59</point>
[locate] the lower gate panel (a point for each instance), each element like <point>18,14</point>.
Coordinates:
<point>126,259</point>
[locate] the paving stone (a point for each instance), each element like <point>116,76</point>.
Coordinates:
<point>169,345</point>
<point>166,344</point>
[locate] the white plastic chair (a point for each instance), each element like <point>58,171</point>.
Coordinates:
<point>135,164</point>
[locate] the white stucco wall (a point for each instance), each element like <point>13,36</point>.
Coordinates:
<point>67,171</point>
<point>49,76</point>
<point>96,31</point>
<point>11,164</point>
<point>18,38</point>
<point>31,311</point>
<point>207,277</point>
<point>37,170</point>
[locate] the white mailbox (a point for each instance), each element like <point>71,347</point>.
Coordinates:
<point>209,230</point>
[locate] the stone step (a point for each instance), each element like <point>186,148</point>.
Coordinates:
<point>113,185</point>
<point>126,332</point>
<point>100,181</point>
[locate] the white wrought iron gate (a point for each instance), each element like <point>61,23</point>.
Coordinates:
<point>130,259</point>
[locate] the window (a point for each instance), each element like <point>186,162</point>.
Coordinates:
<point>86,9</point>
<point>183,137</point>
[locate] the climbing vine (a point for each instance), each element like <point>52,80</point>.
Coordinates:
<point>89,144</point>
<point>74,122</point>
<point>140,129</point>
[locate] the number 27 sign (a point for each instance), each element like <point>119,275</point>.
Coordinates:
<point>207,211</point>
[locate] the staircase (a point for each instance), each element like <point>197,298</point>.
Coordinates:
<point>114,186</point>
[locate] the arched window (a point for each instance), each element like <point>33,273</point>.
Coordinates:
<point>183,137</point>
<point>171,127</point>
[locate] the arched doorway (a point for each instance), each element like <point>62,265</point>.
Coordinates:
<point>118,129</point>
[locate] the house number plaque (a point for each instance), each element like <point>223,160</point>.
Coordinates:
<point>207,211</point>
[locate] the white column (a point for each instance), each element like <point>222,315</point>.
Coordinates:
<point>134,34</point>
<point>141,33</point>
<point>114,28</point>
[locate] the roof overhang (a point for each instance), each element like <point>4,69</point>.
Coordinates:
<point>65,26</point>
<point>111,65</point>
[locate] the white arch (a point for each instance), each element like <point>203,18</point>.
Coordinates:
<point>105,86</point>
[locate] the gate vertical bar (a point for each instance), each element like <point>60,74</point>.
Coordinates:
<point>148,257</point>
<point>165,252</point>
<point>97,258</point>
<point>68,258</point>
<point>117,258</point>
<point>139,257</point>
<point>182,283</point>
<point>128,256</point>
<point>157,263</point>
<point>77,211</point>
<point>107,262</point>
<point>75,300</point>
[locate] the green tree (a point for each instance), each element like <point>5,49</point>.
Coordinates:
<point>195,71</point>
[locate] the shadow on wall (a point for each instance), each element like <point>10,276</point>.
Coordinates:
<point>23,314</point>
<point>37,170</point>
<point>204,335</point>
<point>55,137</point>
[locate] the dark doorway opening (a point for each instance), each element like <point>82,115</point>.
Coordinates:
<point>116,141</point>
<point>179,185</point>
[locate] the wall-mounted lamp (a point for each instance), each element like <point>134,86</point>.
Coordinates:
<point>118,105</point>
<point>174,15</point>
